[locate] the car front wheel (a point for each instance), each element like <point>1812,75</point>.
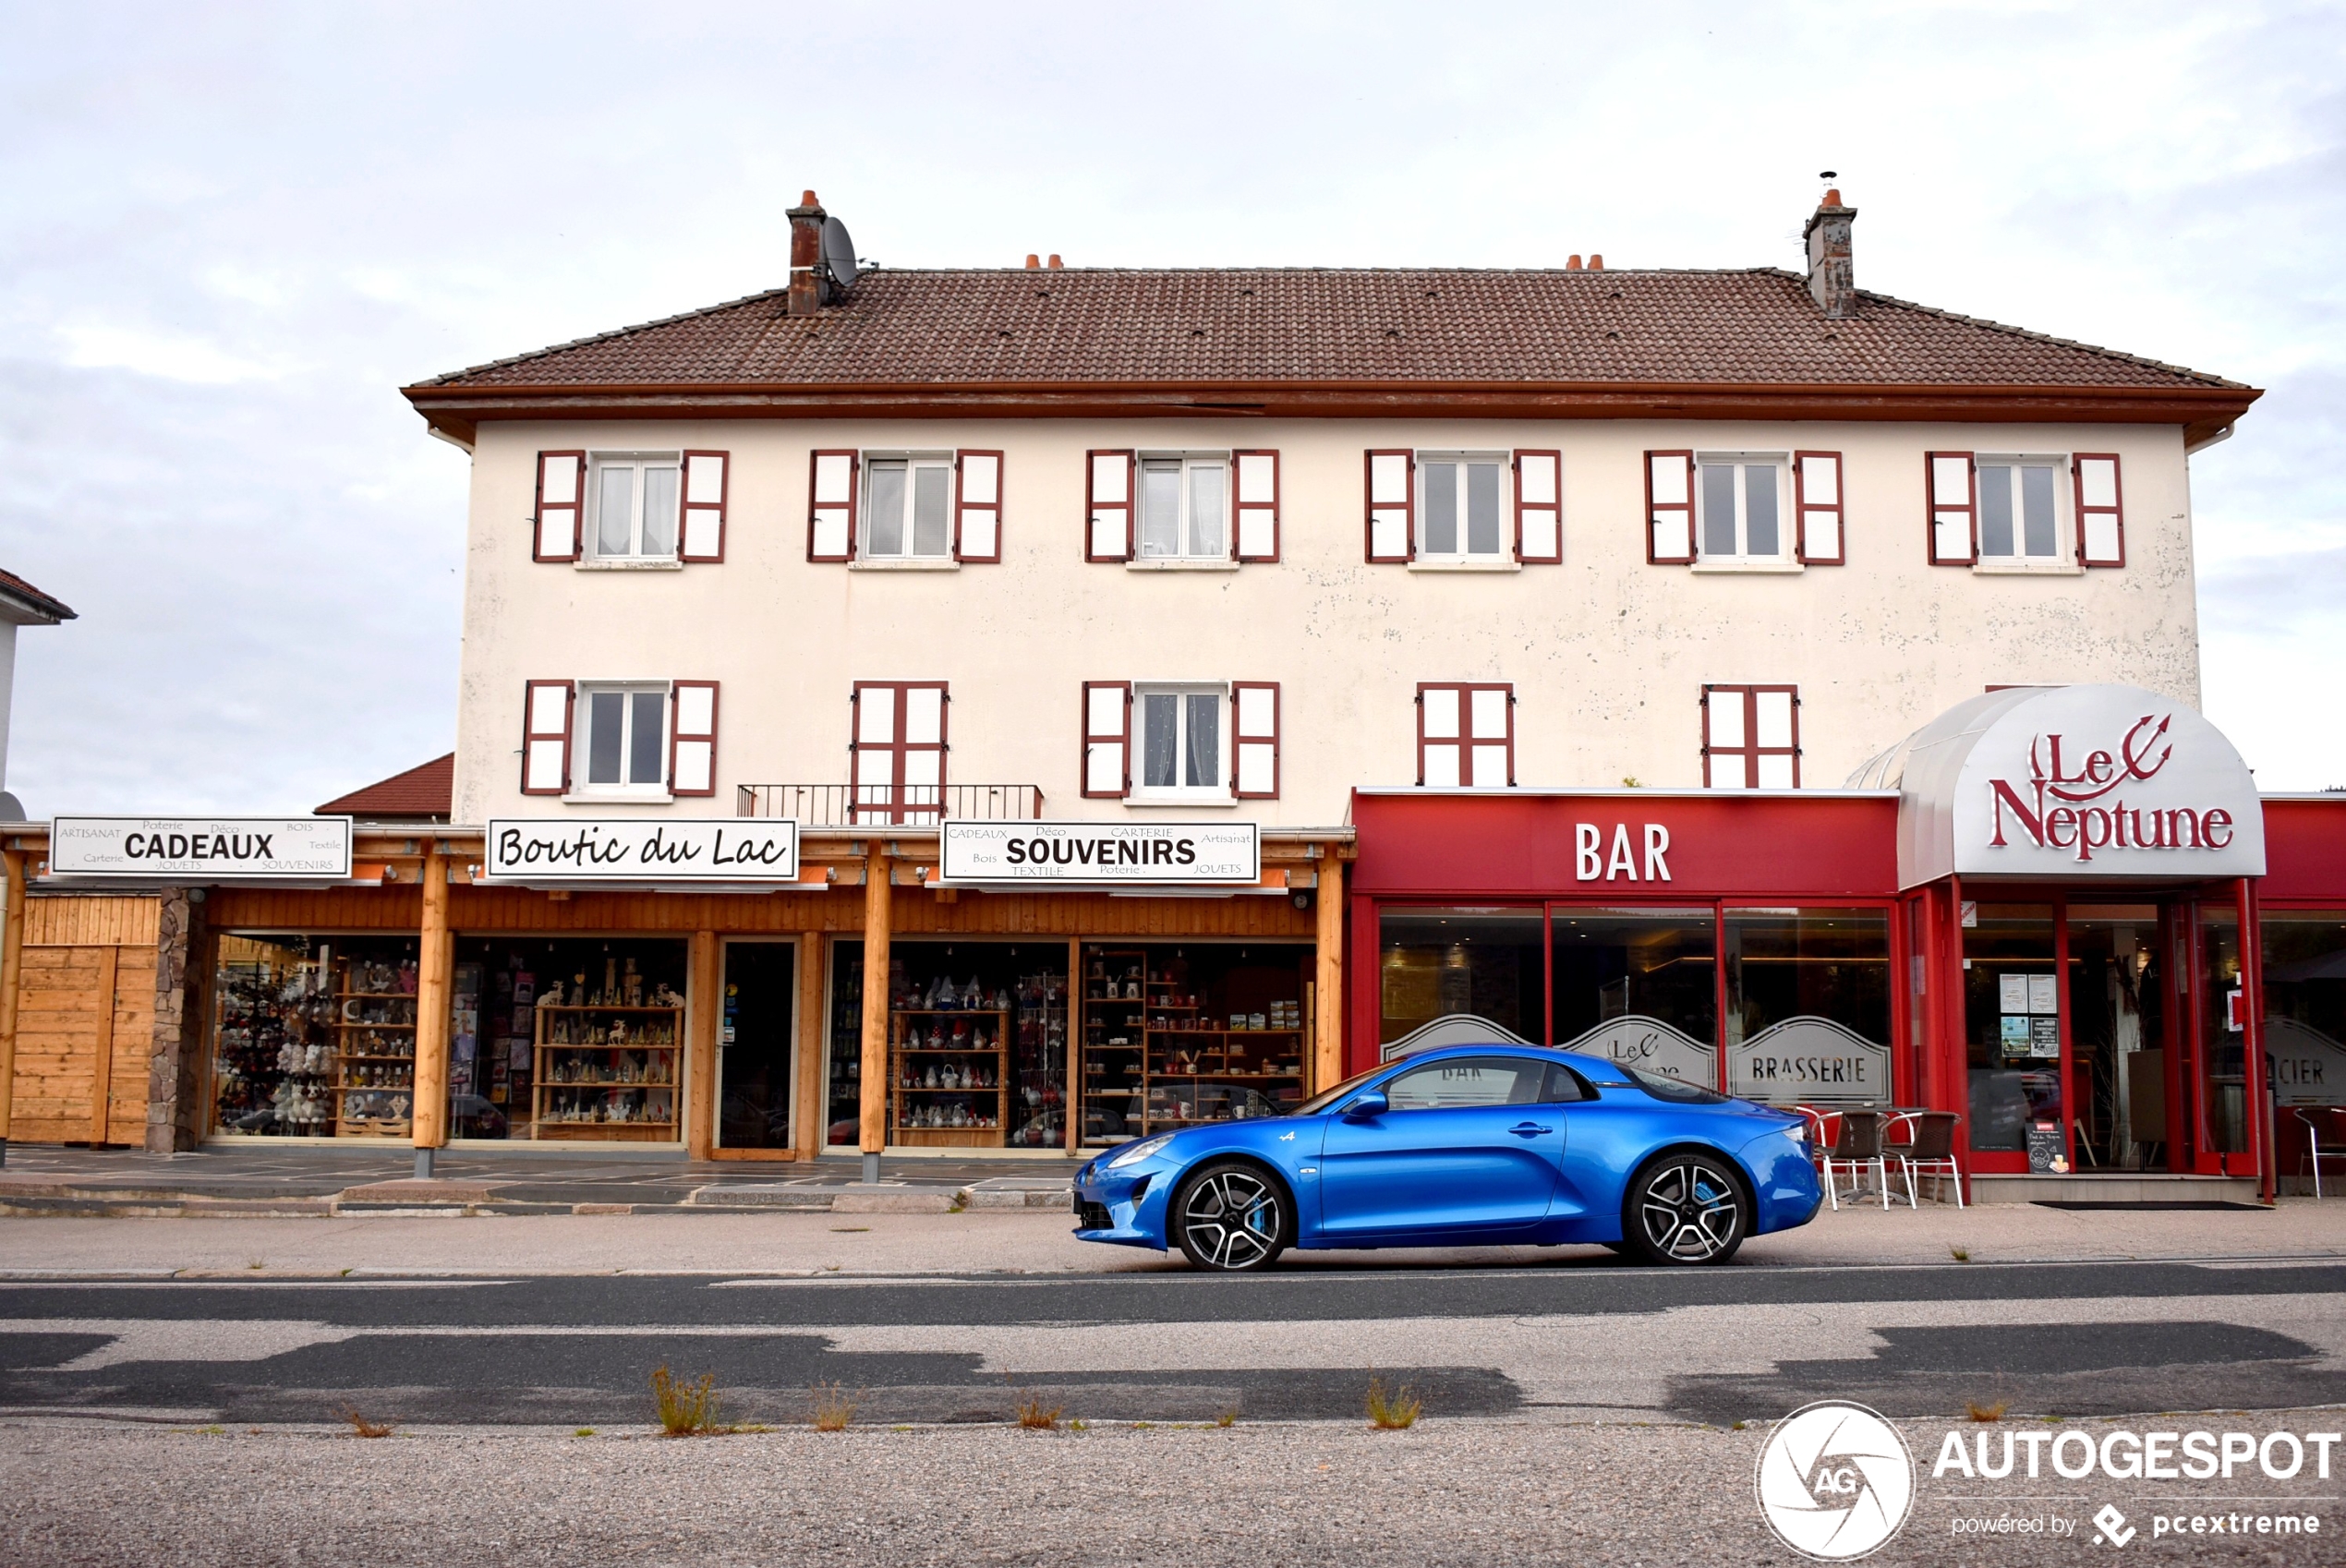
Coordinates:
<point>1684,1209</point>
<point>1231,1218</point>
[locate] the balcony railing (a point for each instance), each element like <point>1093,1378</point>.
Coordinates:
<point>882,805</point>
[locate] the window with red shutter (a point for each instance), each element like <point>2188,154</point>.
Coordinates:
<point>1816,496</point>
<point>1670,508</point>
<point>830,519</point>
<point>1750,736</point>
<point>1255,477</point>
<point>703,529</point>
<point>2101,523</point>
<point>545,737</point>
<point>977,506</point>
<point>897,758</point>
<point>1538,508</point>
<point>691,738</point>
<point>1107,505</point>
<point>1107,739</point>
<point>1391,496</point>
<point>562,497</point>
<point>1255,740</point>
<point>1954,533</point>
<point>1465,735</point>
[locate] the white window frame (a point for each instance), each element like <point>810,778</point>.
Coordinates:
<point>1217,792</point>
<point>1184,559</point>
<point>590,555</point>
<point>1787,554</point>
<point>1462,559</point>
<point>582,787</point>
<point>2063,561</point>
<point>868,515</point>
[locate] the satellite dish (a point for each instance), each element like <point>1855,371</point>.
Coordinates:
<point>838,253</point>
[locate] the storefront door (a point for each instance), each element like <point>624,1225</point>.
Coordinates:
<point>755,1036</point>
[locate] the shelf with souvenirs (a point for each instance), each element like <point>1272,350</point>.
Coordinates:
<point>1193,1034</point>
<point>948,1058</point>
<point>606,1060</point>
<point>313,1036</point>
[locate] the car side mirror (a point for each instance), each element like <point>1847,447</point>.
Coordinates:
<point>1367,1105</point>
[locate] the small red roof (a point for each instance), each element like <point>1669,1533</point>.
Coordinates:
<point>40,603</point>
<point>427,792</point>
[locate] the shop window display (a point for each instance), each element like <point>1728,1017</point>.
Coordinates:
<point>1807,1005</point>
<point>2223,1034</point>
<point>314,1036</point>
<point>2012,1032</point>
<point>575,1039</point>
<point>2305,1005</point>
<point>976,1044</point>
<point>1177,1035</point>
<point>1639,986</point>
<point>1461,970</point>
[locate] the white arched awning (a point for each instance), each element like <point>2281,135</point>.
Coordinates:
<point>2072,784</point>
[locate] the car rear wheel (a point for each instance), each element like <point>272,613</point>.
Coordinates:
<point>1684,1209</point>
<point>1230,1217</point>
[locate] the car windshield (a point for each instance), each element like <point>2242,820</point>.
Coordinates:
<point>1327,1097</point>
<point>1665,1088</point>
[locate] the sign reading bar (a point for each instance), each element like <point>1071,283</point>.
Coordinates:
<point>574,848</point>
<point>1186,853</point>
<point>200,849</point>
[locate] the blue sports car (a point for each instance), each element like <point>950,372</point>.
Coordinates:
<point>1469,1145</point>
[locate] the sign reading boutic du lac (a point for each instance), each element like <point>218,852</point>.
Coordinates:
<point>641,850</point>
<point>200,849</point>
<point>1193,853</point>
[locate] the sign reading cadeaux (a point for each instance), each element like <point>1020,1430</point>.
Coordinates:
<point>2077,782</point>
<point>1184,852</point>
<point>641,849</point>
<point>200,849</point>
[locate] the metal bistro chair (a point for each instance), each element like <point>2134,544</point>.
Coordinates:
<point>2317,1118</point>
<point>1923,1142</point>
<point>1857,1144</point>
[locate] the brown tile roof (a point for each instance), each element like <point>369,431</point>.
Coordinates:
<point>17,587</point>
<point>1270,325</point>
<point>426,791</point>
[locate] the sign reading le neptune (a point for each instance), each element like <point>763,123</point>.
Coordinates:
<point>634,850</point>
<point>1102,851</point>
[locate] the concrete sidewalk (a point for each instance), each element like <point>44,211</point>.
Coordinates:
<point>495,1243</point>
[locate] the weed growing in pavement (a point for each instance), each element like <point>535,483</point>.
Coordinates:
<point>1227,1418</point>
<point>1079,1426</point>
<point>1142,1425</point>
<point>1961,1254</point>
<point>1979,1412</point>
<point>686,1409</point>
<point>256,1264</point>
<point>361,1427</point>
<point>584,1431</point>
<point>2052,1418</point>
<point>1393,1412</point>
<point>1739,1426</point>
<point>833,1409</point>
<point>849,1230</point>
<point>1034,1414</point>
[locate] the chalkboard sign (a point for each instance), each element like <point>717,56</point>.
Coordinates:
<point>2047,1151</point>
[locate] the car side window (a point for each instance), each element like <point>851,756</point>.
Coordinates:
<point>1463,1081</point>
<point>1565,1086</point>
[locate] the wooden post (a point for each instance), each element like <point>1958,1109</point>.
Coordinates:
<point>876,897</point>
<point>1327,1013</point>
<point>810,1117</point>
<point>434,963</point>
<point>11,985</point>
<point>704,1009</point>
<point>102,1065</point>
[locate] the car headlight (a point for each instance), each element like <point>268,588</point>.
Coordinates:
<point>1133,1153</point>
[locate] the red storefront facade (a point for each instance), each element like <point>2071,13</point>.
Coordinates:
<point>2108,1017</point>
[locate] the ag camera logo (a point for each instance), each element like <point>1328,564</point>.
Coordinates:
<point>1835,1481</point>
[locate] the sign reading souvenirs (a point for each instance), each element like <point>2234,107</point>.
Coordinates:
<point>200,849</point>
<point>2077,781</point>
<point>1188,853</point>
<point>639,849</point>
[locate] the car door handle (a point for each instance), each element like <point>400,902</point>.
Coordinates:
<point>1529,1129</point>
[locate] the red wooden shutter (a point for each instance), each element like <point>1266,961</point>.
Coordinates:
<point>1670,508</point>
<point>1107,505</point>
<point>830,518</point>
<point>1391,494</point>
<point>705,473</point>
<point>1255,740</point>
<point>1816,500</point>
<point>1107,739</point>
<point>1255,493</point>
<point>1538,508</point>
<point>691,738</point>
<point>1955,508</point>
<point>977,506</point>
<point>2101,525</point>
<point>545,737</point>
<point>562,494</point>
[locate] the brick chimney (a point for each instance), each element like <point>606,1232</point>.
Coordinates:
<point>1831,278</point>
<point>805,254</point>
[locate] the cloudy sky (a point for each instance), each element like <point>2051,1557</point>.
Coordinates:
<point>233,231</point>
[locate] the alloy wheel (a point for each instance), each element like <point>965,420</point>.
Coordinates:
<point>1690,1212</point>
<point>1230,1219</point>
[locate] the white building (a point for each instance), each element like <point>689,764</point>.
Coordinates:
<point>21,604</point>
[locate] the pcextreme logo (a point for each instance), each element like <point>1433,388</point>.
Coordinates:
<point>1835,1481</point>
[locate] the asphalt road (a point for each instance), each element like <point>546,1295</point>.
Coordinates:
<point>1576,1342</point>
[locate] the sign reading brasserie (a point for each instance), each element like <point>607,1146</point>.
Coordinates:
<point>1102,851</point>
<point>1809,1060</point>
<point>637,850</point>
<point>200,849</point>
